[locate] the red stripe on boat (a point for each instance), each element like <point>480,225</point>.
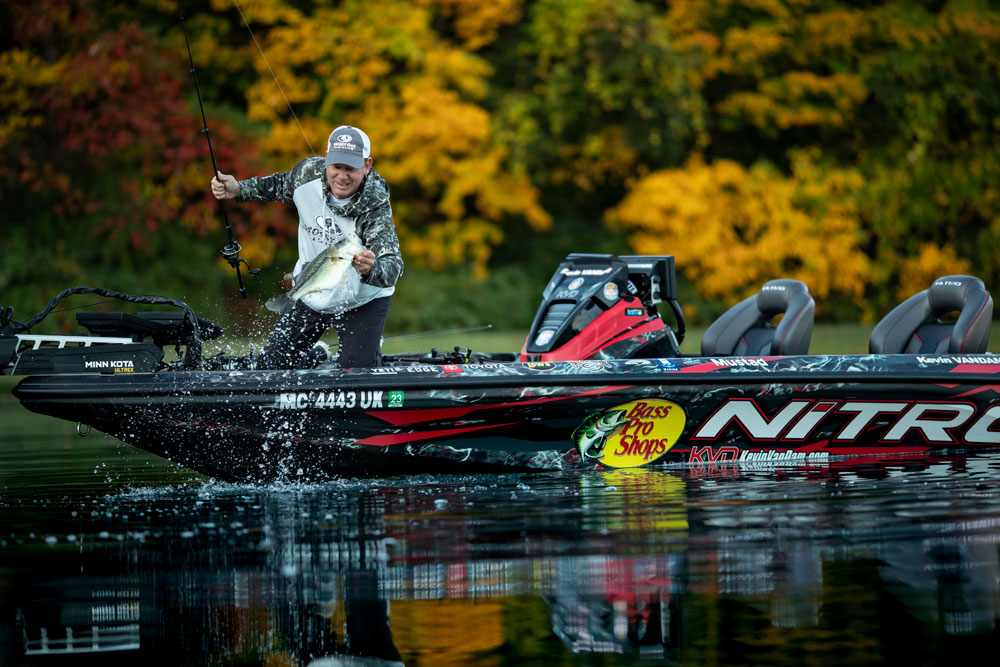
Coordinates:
<point>701,368</point>
<point>401,438</point>
<point>975,390</point>
<point>712,366</point>
<point>814,447</point>
<point>403,417</point>
<point>824,446</point>
<point>976,368</point>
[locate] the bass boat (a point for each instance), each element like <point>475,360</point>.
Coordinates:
<point>599,382</point>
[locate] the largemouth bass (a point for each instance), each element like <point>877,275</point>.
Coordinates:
<point>592,434</point>
<point>327,271</point>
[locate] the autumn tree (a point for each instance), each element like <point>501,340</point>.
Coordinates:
<point>418,95</point>
<point>898,98</point>
<point>736,228</point>
<point>105,170</point>
<point>591,93</point>
<point>851,145</point>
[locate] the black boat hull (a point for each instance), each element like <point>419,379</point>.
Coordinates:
<point>319,424</point>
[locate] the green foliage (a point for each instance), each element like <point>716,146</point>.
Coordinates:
<point>900,99</point>
<point>427,300</point>
<point>588,94</point>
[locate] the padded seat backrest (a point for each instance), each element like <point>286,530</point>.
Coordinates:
<point>916,327</point>
<point>745,329</point>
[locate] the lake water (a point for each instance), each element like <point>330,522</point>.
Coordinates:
<point>111,556</point>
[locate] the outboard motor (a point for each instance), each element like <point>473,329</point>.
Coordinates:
<point>605,307</point>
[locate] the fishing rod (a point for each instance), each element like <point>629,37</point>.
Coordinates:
<point>231,251</point>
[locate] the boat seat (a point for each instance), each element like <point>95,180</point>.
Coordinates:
<point>745,330</point>
<point>917,325</point>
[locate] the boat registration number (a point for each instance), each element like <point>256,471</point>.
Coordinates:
<point>346,400</point>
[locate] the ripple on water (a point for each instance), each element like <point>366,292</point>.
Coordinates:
<point>774,555</point>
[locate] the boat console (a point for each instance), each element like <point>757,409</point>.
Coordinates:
<point>606,306</point>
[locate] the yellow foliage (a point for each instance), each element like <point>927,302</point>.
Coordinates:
<point>457,69</point>
<point>335,57</point>
<point>837,29</point>
<point>972,23</point>
<point>687,17</point>
<point>496,194</point>
<point>447,632</point>
<point>22,75</point>
<point>476,22</point>
<point>700,40</point>
<point>932,261</point>
<point>426,133</point>
<point>286,137</point>
<point>799,99</point>
<point>732,228</point>
<point>257,249</point>
<point>454,242</point>
<point>384,68</point>
<point>603,156</point>
<point>751,45</point>
<point>777,98</point>
<point>266,12</point>
<point>739,50</point>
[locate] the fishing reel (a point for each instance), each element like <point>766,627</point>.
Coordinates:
<point>231,253</point>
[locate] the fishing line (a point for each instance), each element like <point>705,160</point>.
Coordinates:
<point>275,77</point>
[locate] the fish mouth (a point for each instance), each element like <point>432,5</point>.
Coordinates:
<point>593,437</point>
<point>609,421</point>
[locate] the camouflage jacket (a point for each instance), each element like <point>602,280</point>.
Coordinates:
<point>306,188</point>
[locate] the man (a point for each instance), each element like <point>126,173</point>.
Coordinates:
<point>334,197</point>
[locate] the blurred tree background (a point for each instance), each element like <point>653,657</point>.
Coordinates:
<point>850,145</point>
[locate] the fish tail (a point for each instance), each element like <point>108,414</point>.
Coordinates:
<point>280,304</point>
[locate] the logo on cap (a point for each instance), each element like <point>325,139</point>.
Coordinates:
<point>344,137</point>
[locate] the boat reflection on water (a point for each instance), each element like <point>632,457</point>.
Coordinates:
<point>702,565</point>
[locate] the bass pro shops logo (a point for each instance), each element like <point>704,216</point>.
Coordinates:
<point>631,434</point>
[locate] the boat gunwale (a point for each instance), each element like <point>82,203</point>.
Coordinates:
<point>228,383</point>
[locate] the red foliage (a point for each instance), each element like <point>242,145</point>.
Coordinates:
<point>123,114</point>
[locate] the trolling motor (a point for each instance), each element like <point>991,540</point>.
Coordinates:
<point>116,342</point>
<point>231,251</point>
